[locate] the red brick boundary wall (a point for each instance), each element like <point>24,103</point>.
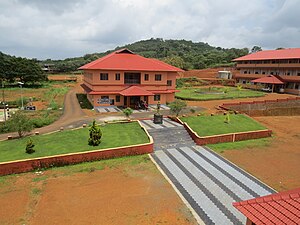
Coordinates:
<point>21,166</point>
<point>277,107</point>
<point>221,138</point>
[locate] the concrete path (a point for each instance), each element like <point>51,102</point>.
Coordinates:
<point>208,183</point>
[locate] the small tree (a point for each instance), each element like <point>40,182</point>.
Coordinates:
<point>29,146</point>
<point>239,88</point>
<point>227,118</point>
<point>20,123</point>
<point>177,106</point>
<point>127,112</point>
<point>95,135</point>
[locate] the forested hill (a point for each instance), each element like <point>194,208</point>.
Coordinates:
<point>180,53</point>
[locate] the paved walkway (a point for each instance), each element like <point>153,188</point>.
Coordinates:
<point>208,182</point>
<point>151,108</point>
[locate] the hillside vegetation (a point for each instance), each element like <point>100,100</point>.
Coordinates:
<point>181,53</point>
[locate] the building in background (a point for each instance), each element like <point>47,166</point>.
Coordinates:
<point>283,63</point>
<point>278,208</point>
<point>123,78</point>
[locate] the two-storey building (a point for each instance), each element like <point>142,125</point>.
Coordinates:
<point>283,63</point>
<point>123,78</point>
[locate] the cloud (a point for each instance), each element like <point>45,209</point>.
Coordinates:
<point>59,29</point>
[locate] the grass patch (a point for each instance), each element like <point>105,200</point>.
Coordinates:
<point>255,143</point>
<point>114,135</point>
<point>102,164</point>
<point>36,191</point>
<point>215,93</point>
<point>40,178</point>
<point>213,125</point>
<point>83,101</point>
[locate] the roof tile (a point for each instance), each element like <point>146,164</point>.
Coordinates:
<point>289,53</point>
<point>126,60</point>
<point>278,208</point>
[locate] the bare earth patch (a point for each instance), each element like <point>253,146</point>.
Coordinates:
<point>130,194</point>
<point>278,164</point>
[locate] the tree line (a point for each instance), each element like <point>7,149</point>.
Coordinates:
<point>180,53</point>
<point>21,69</point>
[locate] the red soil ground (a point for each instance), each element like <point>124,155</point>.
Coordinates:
<point>206,73</point>
<point>123,194</point>
<point>277,164</point>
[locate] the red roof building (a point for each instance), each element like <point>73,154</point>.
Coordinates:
<point>279,208</point>
<point>123,78</point>
<point>284,63</point>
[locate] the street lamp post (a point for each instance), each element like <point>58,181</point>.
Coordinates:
<point>3,102</point>
<point>20,83</point>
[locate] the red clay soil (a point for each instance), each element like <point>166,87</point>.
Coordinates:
<point>205,73</point>
<point>278,165</point>
<point>136,194</point>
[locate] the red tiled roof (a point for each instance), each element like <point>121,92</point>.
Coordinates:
<point>135,91</point>
<point>279,208</point>
<point>268,80</point>
<point>289,53</point>
<point>124,59</point>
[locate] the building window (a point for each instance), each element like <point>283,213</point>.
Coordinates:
<point>118,76</point>
<point>296,86</point>
<point>103,76</point>
<point>263,72</point>
<point>103,100</point>
<point>245,72</point>
<point>298,74</point>
<point>146,77</point>
<point>157,77</point>
<point>169,82</point>
<point>272,73</point>
<point>156,97</point>
<point>118,98</point>
<point>256,72</point>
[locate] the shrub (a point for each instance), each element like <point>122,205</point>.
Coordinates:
<point>29,146</point>
<point>127,112</point>
<point>20,122</point>
<point>95,135</point>
<point>53,105</point>
<point>177,106</point>
<point>227,118</point>
<point>83,101</point>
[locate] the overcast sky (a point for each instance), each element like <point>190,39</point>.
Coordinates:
<point>59,29</point>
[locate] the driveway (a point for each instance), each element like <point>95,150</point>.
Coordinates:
<point>208,183</point>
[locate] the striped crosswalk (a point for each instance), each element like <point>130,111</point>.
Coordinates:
<point>209,183</point>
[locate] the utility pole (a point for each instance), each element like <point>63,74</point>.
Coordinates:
<point>20,83</point>
<point>3,101</point>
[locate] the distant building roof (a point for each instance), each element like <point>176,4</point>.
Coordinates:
<point>270,79</point>
<point>279,208</point>
<point>125,59</point>
<point>289,53</point>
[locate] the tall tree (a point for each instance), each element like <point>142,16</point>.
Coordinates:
<point>256,49</point>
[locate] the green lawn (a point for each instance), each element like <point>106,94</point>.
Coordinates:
<point>114,135</point>
<point>212,125</point>
<point>240,145</point>
<point>214,93</point>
